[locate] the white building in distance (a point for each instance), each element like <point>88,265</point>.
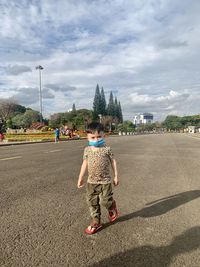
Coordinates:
<point>144,118</point>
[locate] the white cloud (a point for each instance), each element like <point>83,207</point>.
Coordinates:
<point>173,103</point>
<point>172,97</point>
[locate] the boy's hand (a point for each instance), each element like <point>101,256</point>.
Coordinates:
<point>116,181</point>
<point>80,183</point>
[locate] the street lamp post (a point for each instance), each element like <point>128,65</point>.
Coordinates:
<point>40,89</point>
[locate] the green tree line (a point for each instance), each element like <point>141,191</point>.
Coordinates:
<point>173,122</point>
<point>13,115</point>
<point>16,116</point>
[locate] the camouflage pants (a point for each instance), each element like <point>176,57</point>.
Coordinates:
<point>99,194</point>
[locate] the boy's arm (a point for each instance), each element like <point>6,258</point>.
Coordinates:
<point>114,167</point>
<point>84,165</point>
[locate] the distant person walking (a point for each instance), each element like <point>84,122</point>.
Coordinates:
<point>57,135</point>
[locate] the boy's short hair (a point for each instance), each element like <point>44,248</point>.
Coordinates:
<point>94,127</point>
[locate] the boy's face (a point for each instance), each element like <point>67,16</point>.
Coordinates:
<point>95,136</point>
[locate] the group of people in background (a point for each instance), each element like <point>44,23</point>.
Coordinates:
<point>65,131</point>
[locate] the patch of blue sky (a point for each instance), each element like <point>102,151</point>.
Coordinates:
<point>67,32</point>
<point>52,38</point>
<point>166,18</point>
<point>123,39</point>
<point>2,70</point>
<point>92,26</point>
<point>18,47</point>
<point>80,29</point>
<point>2,86</point>
<point>23,5</point>
<point>6,47</point>
<point>162,18</point>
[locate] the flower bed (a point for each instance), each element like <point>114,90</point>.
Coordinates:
<point>42,136</point>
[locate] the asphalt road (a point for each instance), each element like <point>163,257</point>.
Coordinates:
<point>43,214</point>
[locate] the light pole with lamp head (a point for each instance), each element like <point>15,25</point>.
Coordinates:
<point>40,89</point>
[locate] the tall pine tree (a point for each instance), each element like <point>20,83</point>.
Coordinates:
<point>120,113</point>
<point>97,104</point>
<point>116,109</point>
<point>74,108</point>
<point>103,102</point>
<point>111,106</point>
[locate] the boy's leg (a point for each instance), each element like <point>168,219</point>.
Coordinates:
<point>93,191</point>
<point>108,202</point>
<point>107,196</point>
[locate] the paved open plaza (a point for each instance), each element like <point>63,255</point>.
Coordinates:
<point>43,214</point>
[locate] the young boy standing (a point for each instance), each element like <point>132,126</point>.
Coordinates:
<point>97,159</point>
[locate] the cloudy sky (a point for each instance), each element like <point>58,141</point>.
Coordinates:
<point>145,51</point>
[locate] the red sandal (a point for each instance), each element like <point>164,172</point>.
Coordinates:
<point>93,228</point>
<point>113,213</point>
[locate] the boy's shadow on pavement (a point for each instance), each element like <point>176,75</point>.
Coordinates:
<point>160,206</point>
<point>152,256</point>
